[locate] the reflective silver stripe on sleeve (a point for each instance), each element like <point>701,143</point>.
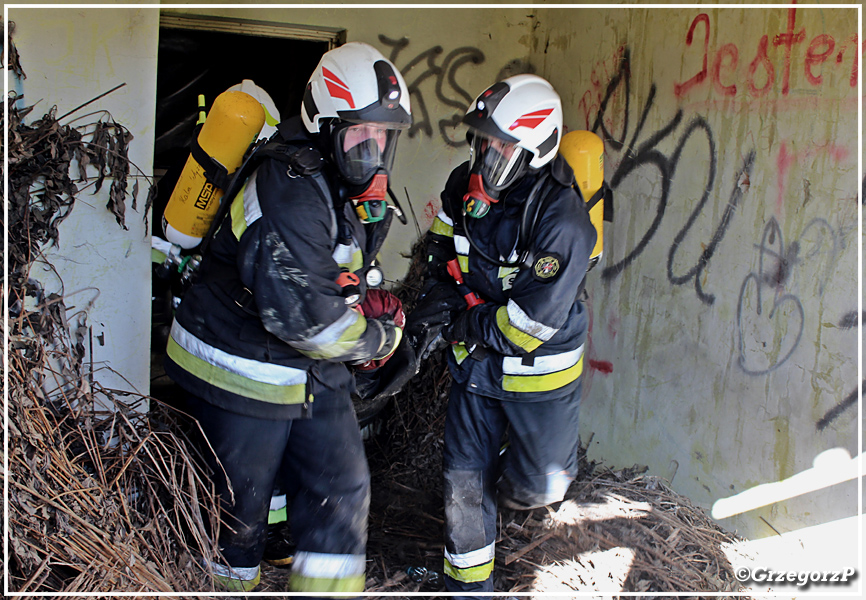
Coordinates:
<point>513,365</point>
<point>445,218</point>
<point>328,566</point>
<point>331,334</point>
<point>473,558</point>
<point>461,244</point>
<point>242,573</point>
<point>252,208</point>
<point>246,367</point>
<point>278,502</point>
<point>344,253</point>
<point>521,321</point>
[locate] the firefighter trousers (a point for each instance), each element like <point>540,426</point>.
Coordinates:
<point>323,460</point>
<point>535,469</point>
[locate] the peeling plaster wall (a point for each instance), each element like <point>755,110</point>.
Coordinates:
<point>70,56</point>
<point>723,349</point>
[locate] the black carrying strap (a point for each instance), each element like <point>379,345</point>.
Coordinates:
<point>214,171</point>
<point>605,194</point>
<point>303,161</point>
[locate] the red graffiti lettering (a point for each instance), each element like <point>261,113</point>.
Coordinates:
<point>730,52</point>
<point>724,69</point>
<point>788,39</point>
<point>851,41</point>
<point>681,89</point>
<point>762,60</point>
<point>813,57</point>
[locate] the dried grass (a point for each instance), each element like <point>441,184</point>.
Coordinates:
<point>102,498</point>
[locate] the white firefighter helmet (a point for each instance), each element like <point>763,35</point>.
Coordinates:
<point>355,83</point>
<point>359,101</point>
<point>272,113</point>
<point>524,113</point>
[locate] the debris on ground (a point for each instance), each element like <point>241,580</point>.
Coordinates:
<point>616,531</point>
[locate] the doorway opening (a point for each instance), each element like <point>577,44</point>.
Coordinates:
<point>207,55</point>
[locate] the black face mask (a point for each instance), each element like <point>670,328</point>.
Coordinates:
<point>491,173</point>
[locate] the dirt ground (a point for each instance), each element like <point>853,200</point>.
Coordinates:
<point>616,531</point>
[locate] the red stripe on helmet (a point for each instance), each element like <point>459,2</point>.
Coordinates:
<point>531,120</point>
<point>337,88</point>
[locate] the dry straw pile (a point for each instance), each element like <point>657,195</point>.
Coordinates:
<point>101,497</point>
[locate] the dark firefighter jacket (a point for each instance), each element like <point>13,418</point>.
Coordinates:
<point>266,314</point>
<point>532,324</point>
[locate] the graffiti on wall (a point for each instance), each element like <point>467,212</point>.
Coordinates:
<point>770,316</point>
<point>439,70</point>
<point>644,151</point>
<point>726,74</point>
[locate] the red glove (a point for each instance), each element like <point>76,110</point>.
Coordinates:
<point>381,303</point>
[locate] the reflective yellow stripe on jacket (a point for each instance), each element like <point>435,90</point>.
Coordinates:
<point>522,331</point>
<point>442,225</point>
<point>268,382</point>
<point>245,208</point>
<point>545,374</point>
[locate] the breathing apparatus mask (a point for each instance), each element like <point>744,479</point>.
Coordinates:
<point>364,154</point>
<point>494,165</point>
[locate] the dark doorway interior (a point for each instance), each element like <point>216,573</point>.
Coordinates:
<point>193,62</point>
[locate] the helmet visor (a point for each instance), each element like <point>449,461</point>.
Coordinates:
<point>499,162</point>
<point>362,149</point>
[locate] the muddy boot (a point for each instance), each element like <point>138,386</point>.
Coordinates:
<point>279,548</point>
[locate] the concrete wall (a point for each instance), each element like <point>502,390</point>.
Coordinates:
<point>724,338</point>
<point>70,56</point>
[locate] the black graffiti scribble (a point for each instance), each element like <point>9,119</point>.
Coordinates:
<point>647,153</point>
<point>447,90</point>
<point>772,276</point>
<point>849,319</point>
<point>835,412</point>
<point>818,246</point>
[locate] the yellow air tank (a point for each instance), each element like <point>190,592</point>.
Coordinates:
<point>234,122</point>
<point>584,152</point>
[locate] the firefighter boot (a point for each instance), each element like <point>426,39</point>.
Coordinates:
<point>279,547</point>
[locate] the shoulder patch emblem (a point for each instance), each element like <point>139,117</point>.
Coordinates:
<point>546,267</point>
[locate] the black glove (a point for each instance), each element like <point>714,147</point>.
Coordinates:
<point>460,329</point>
<point>438,306</point>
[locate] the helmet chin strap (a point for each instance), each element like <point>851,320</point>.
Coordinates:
<point>370,204</point>
<point>477,201</point>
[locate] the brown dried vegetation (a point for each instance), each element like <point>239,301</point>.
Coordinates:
<point>101,497</point>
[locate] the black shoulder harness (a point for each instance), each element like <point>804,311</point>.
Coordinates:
<point>302,160</point>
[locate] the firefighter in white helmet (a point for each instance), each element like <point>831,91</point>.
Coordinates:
<point>265,339</point>
<point>520,236</point>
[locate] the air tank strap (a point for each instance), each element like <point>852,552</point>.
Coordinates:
<point>215,172</point>
<point>604,193</point>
